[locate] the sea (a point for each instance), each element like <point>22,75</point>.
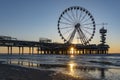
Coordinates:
<point>97,66</point>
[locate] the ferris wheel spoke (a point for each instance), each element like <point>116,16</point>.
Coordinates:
<point>88,24</point>
<point>83,18</point>
<point>67,19</point>
<point>76,14</point>
<point>81,36</point>
<point>86,20</point>
<point>87,32</point>
<point>67,31</point>
<point>66,27</point>
<point>69,36</point>
<point>69,16</point>
<point>80,15</point>
<point>65,23</point>
<point>84,38</point>
<point>88,28</point>
<point>73,14</point>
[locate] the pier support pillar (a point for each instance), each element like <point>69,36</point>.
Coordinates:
<point>38,50</point>
<point>83,51</point>
<point>22,50</point>
<point>11,50</point>
<point>32,50</point>
<point>8,50</point>
<point>19,50</point>
<point>29,50</point>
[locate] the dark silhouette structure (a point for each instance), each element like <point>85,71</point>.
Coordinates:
<point>74,22</point>
<point>55,48</point>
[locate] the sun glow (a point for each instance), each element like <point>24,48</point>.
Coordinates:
<point>72,50</point>
<point>71,56</point>
<point>71,68</point>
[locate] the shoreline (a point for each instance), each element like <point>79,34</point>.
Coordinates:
<point>13,68</point>
<point>14,72</point>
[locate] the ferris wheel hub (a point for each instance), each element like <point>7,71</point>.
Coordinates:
<point>77,25</point>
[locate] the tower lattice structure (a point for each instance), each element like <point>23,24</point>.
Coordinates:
<point>103,35</point>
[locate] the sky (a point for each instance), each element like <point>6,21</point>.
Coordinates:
<point>32,19</point>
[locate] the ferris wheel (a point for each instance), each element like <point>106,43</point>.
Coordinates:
<point>76,23</point>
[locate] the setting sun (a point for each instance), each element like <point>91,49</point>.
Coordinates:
<point>72,50</point>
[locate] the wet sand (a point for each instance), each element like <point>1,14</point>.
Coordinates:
<point>12,72</point>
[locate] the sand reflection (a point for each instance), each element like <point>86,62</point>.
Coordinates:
<point>72,69</point>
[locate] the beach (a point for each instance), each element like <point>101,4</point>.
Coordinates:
<point>59,67</point>
<point>12,72</point>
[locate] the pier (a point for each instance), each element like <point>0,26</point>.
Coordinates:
<point>51,48</point>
